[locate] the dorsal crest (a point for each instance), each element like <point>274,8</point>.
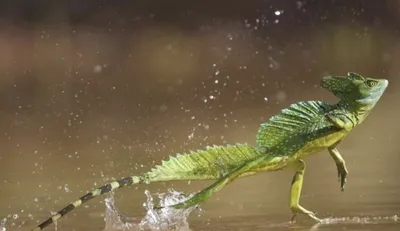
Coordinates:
<point>291,121</point>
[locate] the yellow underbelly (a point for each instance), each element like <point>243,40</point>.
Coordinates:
<point>321,144</point>
<point>310,148</point>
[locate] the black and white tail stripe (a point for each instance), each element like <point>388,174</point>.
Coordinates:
<point>127,181</point>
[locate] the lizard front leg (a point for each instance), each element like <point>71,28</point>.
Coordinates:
<point>341,166</point>
<point>295,192</point>
<point>342,120</point>
<point>346,122</point>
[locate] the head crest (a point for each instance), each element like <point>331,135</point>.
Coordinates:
<point>355,87</point>
<point>355,76</point>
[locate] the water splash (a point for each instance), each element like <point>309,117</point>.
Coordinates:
<point>114,220</point>
<point>163,219</point>
<point>342,220</point>
<point>3,224</point>
<point>360,220</point>
<point>356,220</point>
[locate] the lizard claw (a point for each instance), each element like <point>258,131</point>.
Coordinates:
<point>314,217</point>
<point>342,175</point>
<point>301,210</point>
<point>310,214</point>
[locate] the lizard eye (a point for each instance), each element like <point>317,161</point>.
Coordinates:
<point>371,83</point>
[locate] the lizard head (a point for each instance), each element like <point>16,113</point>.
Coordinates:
<point>355,87</point>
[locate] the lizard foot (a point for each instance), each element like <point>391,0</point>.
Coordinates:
<point>298,209</point>
<point>342,175</point>
<point>193,201</point>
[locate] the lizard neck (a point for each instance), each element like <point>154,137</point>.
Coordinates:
<point>359,110</point>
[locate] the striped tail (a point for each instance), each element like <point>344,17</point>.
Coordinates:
<point>211,163</point>
<point>127,181</point>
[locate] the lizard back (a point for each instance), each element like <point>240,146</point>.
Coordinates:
<point>296,126</point>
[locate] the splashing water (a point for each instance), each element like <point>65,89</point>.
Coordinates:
<point>344,220</point>
<point>163,219</point>
<point>360,220</point>
<point>3,224</point>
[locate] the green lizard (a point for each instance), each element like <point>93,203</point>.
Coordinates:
<point>283,142</point>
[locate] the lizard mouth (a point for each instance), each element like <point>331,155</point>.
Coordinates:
<point>376,94</point>
<point>384,83</point>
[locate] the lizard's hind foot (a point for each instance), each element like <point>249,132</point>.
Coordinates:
<point>305,212</point>
<point>193,201</point>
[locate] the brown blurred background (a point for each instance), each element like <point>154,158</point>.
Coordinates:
<point>94,90</point>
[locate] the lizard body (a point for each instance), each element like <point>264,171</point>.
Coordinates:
<point>283,142</point>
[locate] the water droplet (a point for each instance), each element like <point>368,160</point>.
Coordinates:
<point>66,189</point>
<point>97,69</point>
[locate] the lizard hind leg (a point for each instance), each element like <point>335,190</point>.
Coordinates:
<point>216,186</point>
<point>295,192</point>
